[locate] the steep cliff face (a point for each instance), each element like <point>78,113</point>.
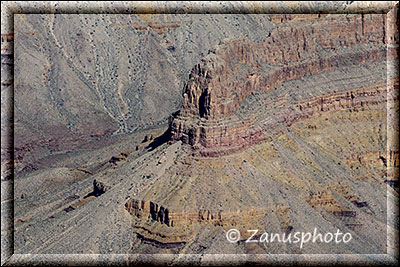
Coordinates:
<point>236,69</point>
<point>148,209</point>
<point>159,213</point>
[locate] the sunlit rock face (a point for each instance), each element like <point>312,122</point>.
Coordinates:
<point>210,119</point>
<point>285,133</point>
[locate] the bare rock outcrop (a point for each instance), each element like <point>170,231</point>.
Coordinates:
<point>159,213</point>
<point>99,188</point>
<point>209,120</point>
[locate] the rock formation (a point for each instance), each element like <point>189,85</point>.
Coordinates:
<point>209,119</point>
<point>101,76</point>
<point>244,94</point>
<point>159,213</point>
<point>99,188</point>
<point>301,126</point>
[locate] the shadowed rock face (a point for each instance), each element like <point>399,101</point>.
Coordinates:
<point>236,69</point>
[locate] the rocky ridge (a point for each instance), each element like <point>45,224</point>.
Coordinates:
<point>317,159</point>
<point>236,69</point>
<point>99,75</point>
<point>241,94</point>
<point>156,212</point>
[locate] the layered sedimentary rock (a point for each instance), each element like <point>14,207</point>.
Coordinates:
<point>98,76</point>
<point>159,213</point>
<point>321,164</point>
<point>274,95</point>
<point>209,119</point>
<point>150,209</point>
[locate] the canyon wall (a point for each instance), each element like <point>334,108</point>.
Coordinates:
<point>209,120</point>
<point>149,209</point>
<point>97,76</point>
<point>229,138</point>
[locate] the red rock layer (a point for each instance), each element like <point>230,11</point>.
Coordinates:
<point>237,68</point>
